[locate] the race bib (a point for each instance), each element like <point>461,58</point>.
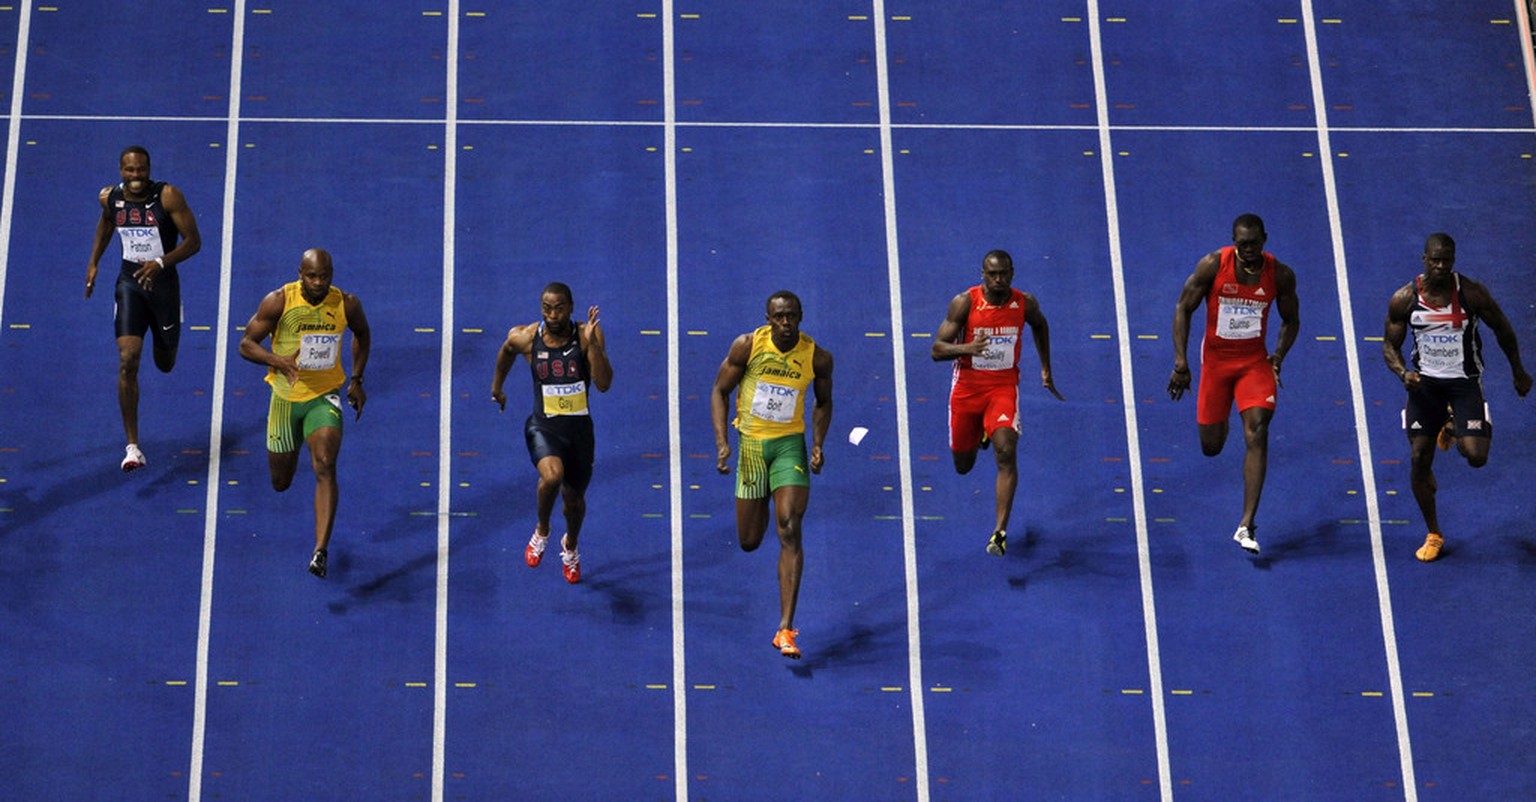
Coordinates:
<point>774,402</point>
<point>141,244</point>
<point>565,399</point>
<point>1238,321</point>
<point>999,353</point>
<point>1440,354</point>
<point>318,351</point>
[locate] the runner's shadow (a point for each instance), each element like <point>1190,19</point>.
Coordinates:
<point>1322,540</point>
<point>1065,563</point>
<point>860,644</point>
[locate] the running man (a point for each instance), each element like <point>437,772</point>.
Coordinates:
<point>1237,284</point>
<point>306,320</point>
<point>564,356</point>
<point>158,231</point>
<point>1443,307</point>
<point>773,366</point>
<point>983,333</point>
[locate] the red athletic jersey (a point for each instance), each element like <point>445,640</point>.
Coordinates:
<point>1003,326</point>
<point>1237,314</point>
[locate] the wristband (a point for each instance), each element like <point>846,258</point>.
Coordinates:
<point>161,262</point>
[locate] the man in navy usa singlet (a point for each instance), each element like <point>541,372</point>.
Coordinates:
<point>158,232</point>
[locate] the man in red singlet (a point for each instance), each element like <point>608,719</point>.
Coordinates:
<point>1237,284</point>
<point>982,332</point>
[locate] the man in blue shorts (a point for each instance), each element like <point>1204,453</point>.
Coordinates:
<point>568,359</point>
<point>158,232</point>
<point>1443,308</point>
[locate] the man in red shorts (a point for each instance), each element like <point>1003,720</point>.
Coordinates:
<point>983,333</point>
<point>1237,284</point>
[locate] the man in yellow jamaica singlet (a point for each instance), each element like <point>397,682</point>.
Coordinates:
<point>306,320</point>
<point>774,366</point>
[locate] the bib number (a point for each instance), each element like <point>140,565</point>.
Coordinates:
<point>319,351</point>
<point>565,399</point>
<point>999,353</point>
<point>1239,321</point>
<point>141,244</point>
<point>774,402</point>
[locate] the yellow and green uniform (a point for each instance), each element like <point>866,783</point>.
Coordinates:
<point>315,332</point>
<point>770,415</point>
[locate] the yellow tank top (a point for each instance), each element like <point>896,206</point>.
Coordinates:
<point>315,332</point>
<point>771,400</point>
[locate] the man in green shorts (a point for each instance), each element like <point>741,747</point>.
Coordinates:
<point>773,366</point>
<point>306,320</point>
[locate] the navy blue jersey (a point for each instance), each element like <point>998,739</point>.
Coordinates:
<point>144,227</point>
<point>560,377</point>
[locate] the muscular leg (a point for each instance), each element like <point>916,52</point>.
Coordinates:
<point>789,503</point>
<point>1213,436</point>
<point>575,508</point>
<point>324,446</point>
<point>964,461</point>
<point>129,351</point>
<point>751,522</point>
<point>1005,444</point>
<point>1421,476</point>
<point>282,466</point>
<point>1475,449</point>
<point>1255,460</point>
<point>551,477</point>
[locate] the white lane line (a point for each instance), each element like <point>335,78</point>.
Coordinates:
<point>903,438</point>
<point>1528,51</point>
<point>13,143</point>
<point>674,412</point>
<point>216,424</point>
<point>444,411</point>
<point>1357,394</point>
<point>1128,403</point>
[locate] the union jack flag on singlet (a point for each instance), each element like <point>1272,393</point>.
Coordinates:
<point>1446,343</point>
